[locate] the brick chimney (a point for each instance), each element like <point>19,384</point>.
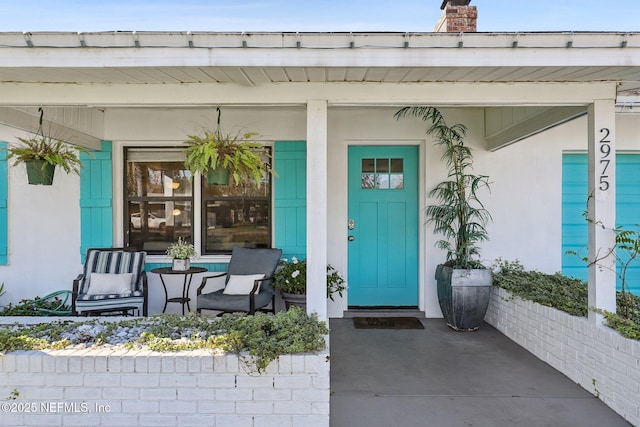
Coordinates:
<point>457,16</point>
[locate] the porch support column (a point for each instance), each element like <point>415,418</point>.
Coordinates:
<point>601,208</point>
<point>317,207</point>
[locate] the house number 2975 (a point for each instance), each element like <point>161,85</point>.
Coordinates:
<point>605,152</point>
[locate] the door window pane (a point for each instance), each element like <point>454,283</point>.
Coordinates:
<point>382,165</point>
<point>383,174</point>
<point>368,165</point>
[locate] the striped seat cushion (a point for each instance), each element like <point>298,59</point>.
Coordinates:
<point>113,262</point>
<point>105,302</point>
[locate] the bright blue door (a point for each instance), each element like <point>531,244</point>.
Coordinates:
<point>383,226</point>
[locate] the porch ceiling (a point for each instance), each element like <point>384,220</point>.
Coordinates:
<point>254,76</point>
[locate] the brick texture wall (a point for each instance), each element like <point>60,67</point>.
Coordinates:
<point>456,19</point>
<point>142,388</point>
<point>598,358</point>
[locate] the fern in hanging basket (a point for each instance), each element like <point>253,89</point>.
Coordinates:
<point>238,153</point>
<point>49,150</point>
<point>42,153</point>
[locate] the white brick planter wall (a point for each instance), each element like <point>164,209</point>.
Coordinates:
<point>597,358</point>
<point>141,388</point>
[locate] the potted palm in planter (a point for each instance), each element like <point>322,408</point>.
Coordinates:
<point>41,154</point>
<point>181,252</point>
<point>464,284</point>
<point>291,280</point>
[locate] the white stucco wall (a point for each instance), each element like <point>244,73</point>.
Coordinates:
<point>44,232</point>
<point>525,198</point>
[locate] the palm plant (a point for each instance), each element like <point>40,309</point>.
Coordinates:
<point>460,216</point>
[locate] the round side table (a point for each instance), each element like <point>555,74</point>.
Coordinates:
<point>186,284</point>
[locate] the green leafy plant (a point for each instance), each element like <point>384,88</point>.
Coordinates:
<point>627,327</point>
<point>460,216</point>
<point>291,277</point>
<point>265,337</point>
<point>2,291</point>
<point>626,252</point>
<point>551,290</point>
<point>237,153</point>
<point>258,339</point>
<point>564,293</point>
<point>182,250</point>
<point>34,307</point>
<point>51,150</point>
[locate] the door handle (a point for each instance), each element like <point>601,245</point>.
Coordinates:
<point>351,238</point>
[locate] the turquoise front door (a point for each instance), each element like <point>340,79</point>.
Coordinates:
<point>383,226</point>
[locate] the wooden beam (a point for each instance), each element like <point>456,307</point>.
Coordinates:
<point>343,94</point>
<point>531,124</point>
<point>28,120</point>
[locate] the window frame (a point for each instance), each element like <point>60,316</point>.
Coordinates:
<point>203,210</point>
<point>120,201</point>
<point>126,200</point>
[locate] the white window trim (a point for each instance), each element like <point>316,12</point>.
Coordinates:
<point>118,200</point>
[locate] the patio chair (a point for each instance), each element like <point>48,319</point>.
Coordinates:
<point>113,281</point>
<point>247,283</point>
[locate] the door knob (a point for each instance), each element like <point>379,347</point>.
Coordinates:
<point>351,238</point>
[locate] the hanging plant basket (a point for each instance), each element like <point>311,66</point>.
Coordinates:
<point>39,172</point>
<point>218,176</point>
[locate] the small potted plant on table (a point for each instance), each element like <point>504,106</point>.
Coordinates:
<point>181,252</point>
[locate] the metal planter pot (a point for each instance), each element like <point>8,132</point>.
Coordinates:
<point>463,296</point>
<point>294,300</point>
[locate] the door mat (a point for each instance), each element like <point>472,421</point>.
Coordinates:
<point>387,323</point>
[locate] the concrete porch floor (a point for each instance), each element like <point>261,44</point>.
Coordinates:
<point>435,377</point>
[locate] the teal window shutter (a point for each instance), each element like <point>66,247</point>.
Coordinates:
<point>4,196</point>
<point>574,204</point>
<point>290,198</point>
<point>96,200</point>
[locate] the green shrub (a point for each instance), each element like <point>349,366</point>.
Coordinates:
<point>34,307</point>
<point>263,336</point>
<point>551,290</point>
<point>566,294</point>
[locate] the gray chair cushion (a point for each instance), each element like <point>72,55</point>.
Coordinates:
<point>231,303</point>
<point>255,261</point>
<point>244,261</point>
